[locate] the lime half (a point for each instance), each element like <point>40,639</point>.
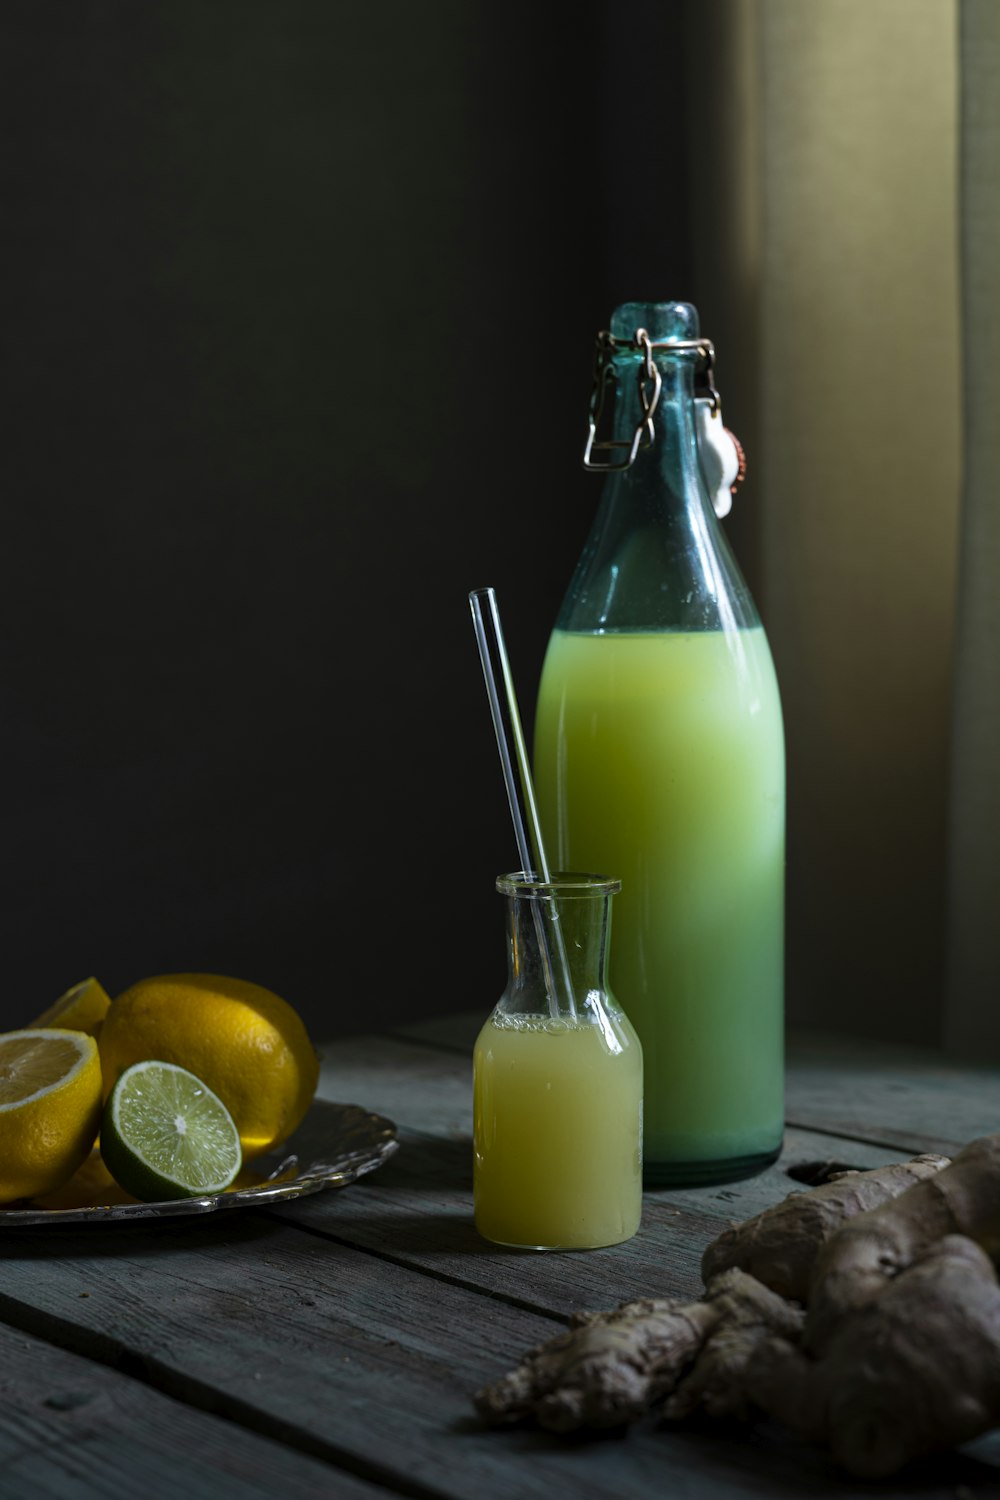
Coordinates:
<point>166,1135</point>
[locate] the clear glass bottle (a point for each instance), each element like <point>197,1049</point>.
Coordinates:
<point>659,754</point>
<point>557,1079</point>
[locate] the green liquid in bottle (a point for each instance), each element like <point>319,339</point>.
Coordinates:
<point>659,758</point>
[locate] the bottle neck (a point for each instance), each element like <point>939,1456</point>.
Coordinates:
<point>664,476</point>
<point>656,558</point>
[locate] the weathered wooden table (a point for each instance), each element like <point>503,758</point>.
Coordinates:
<point>329,1347</point>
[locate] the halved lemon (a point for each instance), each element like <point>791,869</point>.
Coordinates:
<point>50,1108</point>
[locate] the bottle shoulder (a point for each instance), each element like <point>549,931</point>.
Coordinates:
<point>654,562</point>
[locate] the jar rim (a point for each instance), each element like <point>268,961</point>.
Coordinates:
<point>564,884</point>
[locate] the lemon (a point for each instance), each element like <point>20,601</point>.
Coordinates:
<point>165,1135</point>
<point>50,1108</point>
<point>82,1008</point>
<point>246,1043</point>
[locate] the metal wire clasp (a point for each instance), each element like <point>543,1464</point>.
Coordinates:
<point>650,383</point>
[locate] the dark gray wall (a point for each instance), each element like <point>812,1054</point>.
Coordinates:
<point>298,303</point>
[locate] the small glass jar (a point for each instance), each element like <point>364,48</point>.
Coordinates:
<point>557,1078</point>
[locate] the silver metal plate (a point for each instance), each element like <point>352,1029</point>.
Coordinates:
<point>335,1145</point>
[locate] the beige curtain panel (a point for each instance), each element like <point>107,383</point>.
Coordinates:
<point>848,224</point>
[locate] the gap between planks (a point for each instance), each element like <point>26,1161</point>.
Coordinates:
<point>195,1395</point>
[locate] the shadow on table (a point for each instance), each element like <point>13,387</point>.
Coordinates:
<point>732,1459</point>
<point>150,1238</point>
<point>419,1204</point>
<point>428,1164</point>
<point>428,1235</point>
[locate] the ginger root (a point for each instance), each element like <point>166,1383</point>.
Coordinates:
<point>607,1370</point>
<point>896,1354</point>
<point>780,1245</point>
<point>749,1316</point>
<point>854,1267</point>
<point>912,1372</point>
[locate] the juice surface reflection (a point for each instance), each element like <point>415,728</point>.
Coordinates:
<point>659,757</point>
<point>557,1118</point>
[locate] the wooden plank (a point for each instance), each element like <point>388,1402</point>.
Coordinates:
<point>426,1088</point>
<point>73,1428</point>
<point>417,1210</point>
<point>306,1341</point>
<point>371,1364</point>
<point>914,1098</point>
<point>908,1098</point>
<point>366,1365</point>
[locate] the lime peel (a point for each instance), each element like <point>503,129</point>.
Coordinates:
<point>166,1135</point>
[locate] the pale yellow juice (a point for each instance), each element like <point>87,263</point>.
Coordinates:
<point>557,1122</point>
<point>659,759</point>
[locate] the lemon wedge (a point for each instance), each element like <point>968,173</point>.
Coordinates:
<point>82,1008</point>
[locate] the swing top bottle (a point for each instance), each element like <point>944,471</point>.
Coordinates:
<point>659,757</point>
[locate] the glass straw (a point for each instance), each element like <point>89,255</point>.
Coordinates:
<point>510,737</point>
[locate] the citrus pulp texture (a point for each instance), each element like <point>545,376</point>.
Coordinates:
<point>82,1008</point>
<point>165,1135</point>
<point>50,1108</point>
<point>246,1043</point>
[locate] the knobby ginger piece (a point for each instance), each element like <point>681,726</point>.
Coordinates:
<point>609,1368</point>
<point>779,1246</point>
<point>747,1314</point>
<point>963,1198</point>
<point>914,1371</point>
<point>897,1354</point>
<point>605,1370</point>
